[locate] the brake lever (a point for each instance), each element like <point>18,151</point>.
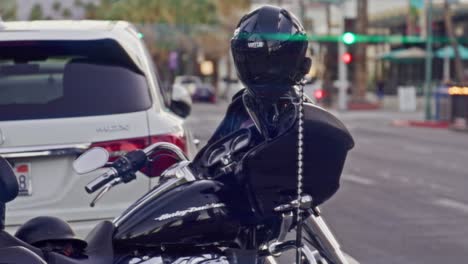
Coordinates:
<point>104,190</point>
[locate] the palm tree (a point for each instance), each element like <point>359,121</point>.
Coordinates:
<point>360,57</point>
<point>453,41</point>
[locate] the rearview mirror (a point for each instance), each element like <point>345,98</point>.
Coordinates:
<point>8,183</point>
<point>91,160</point>
<point>181,103</point>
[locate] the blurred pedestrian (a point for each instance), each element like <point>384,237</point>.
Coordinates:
<point>380,91</point>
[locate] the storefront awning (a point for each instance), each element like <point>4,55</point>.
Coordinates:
<point>448,52</point>
<point>404,55</point>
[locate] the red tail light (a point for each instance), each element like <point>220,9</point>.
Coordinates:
<point>318,94</point>
<point>117,148</point>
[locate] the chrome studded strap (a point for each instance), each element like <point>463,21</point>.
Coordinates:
<point>300,142</point>
<point>300,160</point>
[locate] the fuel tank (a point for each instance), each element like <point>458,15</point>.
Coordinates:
<point>191,213</point>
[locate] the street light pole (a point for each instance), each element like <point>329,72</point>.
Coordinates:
<point>342,78</point>
<point>428,79</point>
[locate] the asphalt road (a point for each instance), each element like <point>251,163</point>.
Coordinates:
<point>403,195</point>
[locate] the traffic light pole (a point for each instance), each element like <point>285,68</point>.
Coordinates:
<point>428,84</point>
<point>342,78</point>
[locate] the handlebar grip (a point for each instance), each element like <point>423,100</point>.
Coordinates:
<point>100,181</point>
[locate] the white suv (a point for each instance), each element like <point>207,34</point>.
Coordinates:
<point>66,86</point>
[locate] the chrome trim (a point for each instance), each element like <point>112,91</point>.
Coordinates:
<point>312,256</point>
<point>196,259</point>
<point>175,176</point>
<point>315,226</point>
<point>276,246</point>
<point>46,150</point>
<point>165,146</point>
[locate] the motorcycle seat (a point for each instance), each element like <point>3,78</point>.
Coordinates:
<point>19,255</point>
<point>7,240</point>
<point>99,250</point>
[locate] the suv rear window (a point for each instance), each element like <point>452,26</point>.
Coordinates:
<point>55,79</point>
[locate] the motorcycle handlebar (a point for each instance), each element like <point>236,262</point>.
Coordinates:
<point>101,180</point>
<point>127,165</point>
<point>166,146</point>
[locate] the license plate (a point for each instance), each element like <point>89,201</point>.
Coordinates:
<point>23,175</point>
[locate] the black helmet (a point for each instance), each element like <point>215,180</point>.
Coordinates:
<point>268,48</point>
<point>47,228</point>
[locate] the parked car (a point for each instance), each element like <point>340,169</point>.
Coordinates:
<point>189,82</point>
<point>228,87</point>
<point>200,91</point>
<point>313,88</point>
<point>66,86</point>
<point>205,93</point>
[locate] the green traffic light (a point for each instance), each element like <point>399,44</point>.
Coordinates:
<point>348,38</point>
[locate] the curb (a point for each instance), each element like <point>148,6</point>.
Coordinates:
<point>421,123</point>
<point>363,106</point>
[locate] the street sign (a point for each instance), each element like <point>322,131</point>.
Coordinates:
<point>407,98</point>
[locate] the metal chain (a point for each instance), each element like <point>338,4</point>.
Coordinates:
<point>300,145</point>
<point>300,142</point>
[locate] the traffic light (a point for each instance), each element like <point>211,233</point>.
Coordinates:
<point>348,38</point>
<point>347,58</point>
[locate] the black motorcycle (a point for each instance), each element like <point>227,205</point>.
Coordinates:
<point>236,202</point>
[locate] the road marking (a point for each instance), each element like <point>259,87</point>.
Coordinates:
<point>417,149</point>
<point>449,203</point>
<point>358,179</point>
<point>362,140</point>
<point>384,174</point>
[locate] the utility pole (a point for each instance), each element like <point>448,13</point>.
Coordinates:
<point>343,78</point>
<point>329,60</point>
<point>453,41</point>
<point>360,70</point>
<point>342,69</point>
<point>428,79</point>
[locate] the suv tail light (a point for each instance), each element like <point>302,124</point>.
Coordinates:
<point>117,148</point>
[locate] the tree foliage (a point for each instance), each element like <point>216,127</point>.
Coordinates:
<point>185,22</point>
<point>8,9</point>
<point>174,12</point>
<point>36,12</point>
<point>190,27</point>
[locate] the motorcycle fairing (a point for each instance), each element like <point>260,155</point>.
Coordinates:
<point>271,167</point>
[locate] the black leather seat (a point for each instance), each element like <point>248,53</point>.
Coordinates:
<point>99,250</point>
<point>7,240</point>
<point>19,255</point>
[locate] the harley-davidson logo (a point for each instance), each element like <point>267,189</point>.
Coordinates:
<point>189,210</point>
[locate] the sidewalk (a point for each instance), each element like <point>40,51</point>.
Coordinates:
<point>390,114</point>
